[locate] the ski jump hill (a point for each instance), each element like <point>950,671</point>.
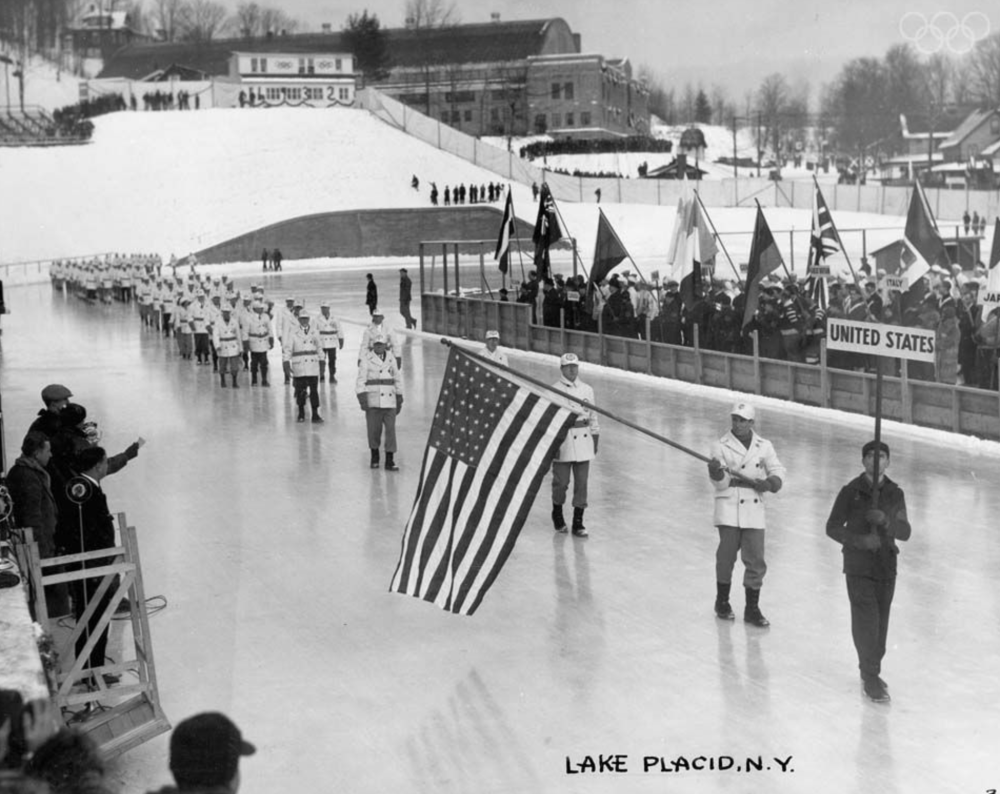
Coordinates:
<point>225,183</point>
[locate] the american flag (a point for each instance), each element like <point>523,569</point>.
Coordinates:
<point>492,441</point>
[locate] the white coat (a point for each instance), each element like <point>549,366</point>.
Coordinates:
<point>497,355</point>
<point>737,506</point>
<point>579,443</point>
<point>302,349</point>
<point>227,337</point>
<point>379,379</point>
<point>259,332</point>
<point>329,331</point>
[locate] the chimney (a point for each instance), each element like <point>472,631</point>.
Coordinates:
<point>495,16</point>
<point>327,27</point>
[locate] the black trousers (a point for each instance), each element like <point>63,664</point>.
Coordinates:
<point>258,361</point>
<point>306,383</point>
<point>871,600</point>
<point>201,350</point>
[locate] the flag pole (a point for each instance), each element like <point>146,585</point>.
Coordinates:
<point>798,294</point>
<point>704,212</point>
<point>517,234</point>
<point>590,406</point>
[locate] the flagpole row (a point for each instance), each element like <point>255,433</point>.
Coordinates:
<point>717,237</point>
<point>591,407</point>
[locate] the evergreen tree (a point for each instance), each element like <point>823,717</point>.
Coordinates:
<point>702,108</point>
<point>364,36</point>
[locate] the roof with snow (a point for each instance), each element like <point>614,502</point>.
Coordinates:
<point>971,123</point>
<point>479,43</point>
<point>916,125</point>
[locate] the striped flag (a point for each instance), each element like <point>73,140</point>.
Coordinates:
<point>502,254</point>
<point>764,258</point>
<point>492,441</point>
<point>825,240</point>
<point>990,298</point>
<point>817,292</point>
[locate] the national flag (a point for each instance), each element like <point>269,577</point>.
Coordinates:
<point>699,249</point>
<point>681,222</point>
<point>922,244</point>
<point>990,299</point>
<point>547,230</point>
<point>825,240</point>
<point>502,254</point>
<point>492,440</point>
<point>608,250</point>
<point>764,258</point>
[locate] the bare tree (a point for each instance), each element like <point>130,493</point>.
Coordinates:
<point>430,14</point>
<point>274,21</point>
<point>246,22</point>
<point>984,71</point>
<point>203,20</point>
<point>772,103</point>
<point>169,18</point>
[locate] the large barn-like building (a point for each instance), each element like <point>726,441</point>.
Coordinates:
<point>494,78</point>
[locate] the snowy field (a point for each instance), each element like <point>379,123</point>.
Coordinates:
<point>176,182</point>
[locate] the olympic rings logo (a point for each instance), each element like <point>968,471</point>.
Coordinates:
<point>944,29</point>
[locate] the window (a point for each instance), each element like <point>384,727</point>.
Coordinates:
<point>556,90</point>
<point>556,120</point>
<point>459,96</point>
<point>313,93</point>
<point>263,64</point>
<point>456,117</point>
<point>468,115</point>
<point>569,119</point>
<point>444,116</point>
<point>338,64</point>
<point>585,118</point>
<point>311,66</point>
<point>273,93</point>
<point>302,65</point>
<point>494,114</point>
<point>540,125</point>
<point>294,93</point>
<point>567,90</point>
<point>345,95</point>
<point>253,64</point>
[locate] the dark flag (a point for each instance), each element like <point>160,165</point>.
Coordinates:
<point>608,251</point>
<point>922,248</point>
<point>991,299</point>
<point>764,258</point>
<point>546,231</point>
<point>491,444</point>
<point>502,254</point>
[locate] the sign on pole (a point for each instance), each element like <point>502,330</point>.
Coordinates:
<point>894,341</point>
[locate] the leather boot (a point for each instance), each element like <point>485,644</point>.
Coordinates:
<point>579,530</point>
<point>558,520</point>
<point>722,608</point>
<point>302,414</point>
<point>253,379</point>
<point>390,464</point>
<point>317,419</point>
<point>752,612</point>
<point>235,384</point>
<point>374,463</point>
<point>222,379</point>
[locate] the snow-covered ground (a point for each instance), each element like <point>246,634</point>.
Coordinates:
<point>177,182</point>
<point>45,86</point>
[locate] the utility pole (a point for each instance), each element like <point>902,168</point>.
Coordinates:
<point>735,174</point>
<point>759,152</point>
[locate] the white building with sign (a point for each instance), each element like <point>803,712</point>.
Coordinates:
<point>319,79</point>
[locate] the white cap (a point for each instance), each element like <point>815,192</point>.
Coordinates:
<point>378,339</point>
<point>304,316</point>
<point>744,411</point>
<point>568,358</point>
<point>492,334</point>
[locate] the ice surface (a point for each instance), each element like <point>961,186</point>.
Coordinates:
<point>275,543</point>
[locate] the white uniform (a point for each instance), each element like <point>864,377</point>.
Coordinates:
<point>497,355</point>
<point>738,506</point>
<point>579,443</point>
<point>302,348</point>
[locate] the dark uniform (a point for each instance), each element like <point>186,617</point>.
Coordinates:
<point>870,564</point>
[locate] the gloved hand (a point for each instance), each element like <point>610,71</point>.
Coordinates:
<point>363,401</point>
<point>762,486</point>
<point>341,344</point>
<point>399,403</point>
<point>715,469</point>
<point>270,344</point>
<point>868,542</point>
<point>877,517</point>
<point>597,438</point>
<point>132,450</point>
